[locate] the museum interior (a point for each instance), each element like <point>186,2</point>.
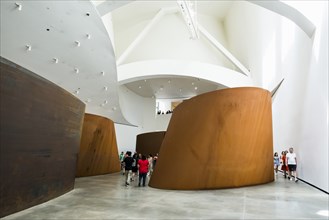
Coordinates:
<point>220,107</point>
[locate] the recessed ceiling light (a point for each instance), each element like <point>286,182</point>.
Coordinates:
<point>169,81</point>
<point>192,83</point>
<point>88,100</point>
<point>18,6</point>
<point>103,73</point>
<point>55,60</point>
<point>77,43</point>
<point>87,13</point>
<point>76,70</point>
<point>105,88</point>
<point>139,87</point>
<point>114,108</point>
<point>105,102</point>
<point>145,80</point>
<point>88,36</point>
<point>76,92</point>
<point>28,47</point>
<point>196,88</point>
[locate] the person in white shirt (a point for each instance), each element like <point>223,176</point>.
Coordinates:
<point>291,161</point>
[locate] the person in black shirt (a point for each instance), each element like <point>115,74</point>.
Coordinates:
<point>128,163</point>
<point>134,166</point>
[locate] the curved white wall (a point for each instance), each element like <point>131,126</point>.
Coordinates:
<point>139,111</point>
<point>274,47</point>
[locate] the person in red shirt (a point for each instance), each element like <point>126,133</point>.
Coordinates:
<point>284,166</point>
<point>143,166</point>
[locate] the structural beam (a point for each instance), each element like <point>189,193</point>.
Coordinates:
<point>223,50</point>
<point>144,32</point>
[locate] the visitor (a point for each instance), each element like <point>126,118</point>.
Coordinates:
<point>276,162</point>
<point>143,166</point>
<point>155,158</point>
<point>291,161</point>
<point>150,159</point>
<point>134,166</point>
<point>128,162</point>
<point>284,167</point>
<point>121,157</point>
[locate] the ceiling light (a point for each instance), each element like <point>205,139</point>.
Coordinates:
<point>77,43</point>
<point>139,87</point>
<point>105,102</point>
<point>76,92</point>
<point>169,81</point>
<point>105,88</point>
<point>76,70</point>
<point>28,47</point>
<point>196,88</point>
<point>145,80</point>
<point>188,10</point>
<point>88,100</point>
<point>192,83</point>
<point>161,87</point>
<point>88,36</point>
<point>103,73</point>
<point>55,60</point>
<point>114,108</point>
<point>19,6</point>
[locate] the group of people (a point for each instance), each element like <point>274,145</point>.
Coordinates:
<point>137,165</point>
<point>167,112</point>
<point>288,162</point>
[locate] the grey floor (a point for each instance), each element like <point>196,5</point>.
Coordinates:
<point>106,197</point>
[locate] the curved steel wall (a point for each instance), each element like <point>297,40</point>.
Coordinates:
<point>220,139</point>
<point>39,139</point>
<point>98,150</point>
<point>149,143</point>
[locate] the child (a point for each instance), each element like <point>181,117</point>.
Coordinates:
<point>276,162</point>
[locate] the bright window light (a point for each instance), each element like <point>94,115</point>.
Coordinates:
<point>323,213</point>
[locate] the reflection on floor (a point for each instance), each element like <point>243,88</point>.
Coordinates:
<point>106,197</point>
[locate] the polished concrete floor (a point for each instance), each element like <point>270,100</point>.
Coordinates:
<point>106,197</point>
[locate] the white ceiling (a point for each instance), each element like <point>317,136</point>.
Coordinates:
<point>52,28</point>
<point>137,15</point>
<point>140,10</point>
<point>172,87</point>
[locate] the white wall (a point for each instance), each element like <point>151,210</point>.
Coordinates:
<point>273,47</point>
<point>126,137</point>
<point>139,111</point>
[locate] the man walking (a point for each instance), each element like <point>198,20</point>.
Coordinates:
<point>128,163</point>
<point>291,161</point>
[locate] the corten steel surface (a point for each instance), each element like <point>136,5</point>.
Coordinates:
<point>98,150</point>
<point>220,139</point>
<point>149,143</point>
<point>40,130</point>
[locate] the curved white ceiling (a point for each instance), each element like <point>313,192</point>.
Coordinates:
<point>73,33</point>
<point>155,46</point>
